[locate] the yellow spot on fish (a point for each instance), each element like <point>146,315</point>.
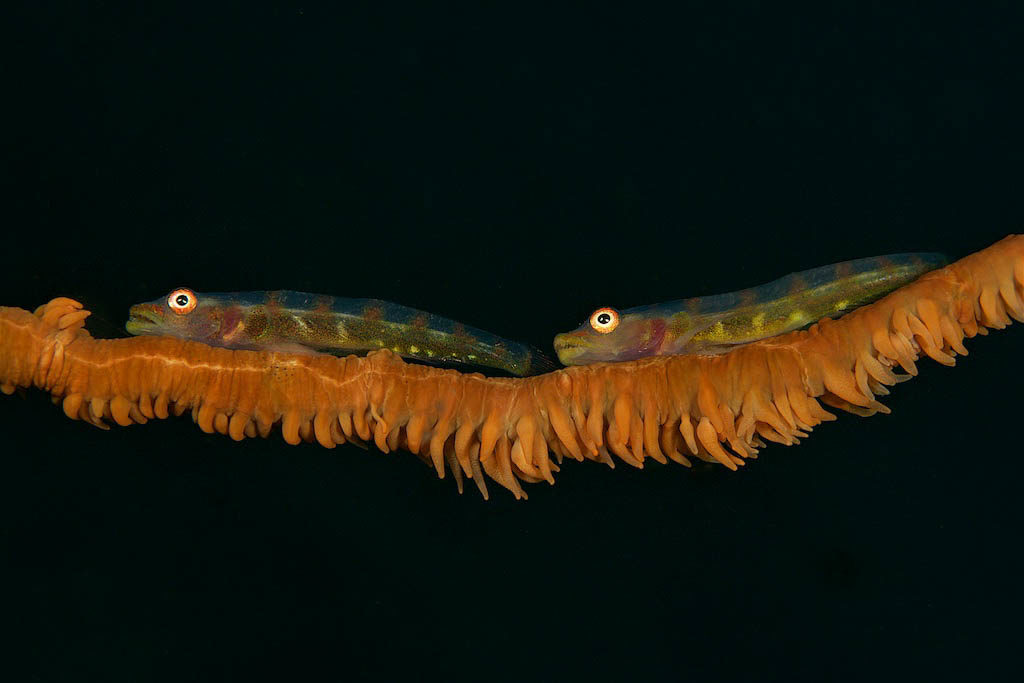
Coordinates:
<point>679,323</point>
<point>471,357</point>
<point>396,349</point>
<point>414,349</point>
<point>758,322</point>
<point>796,316</point>
<point>717,331</point>
<point>841,305</point>
<point>430,353</point>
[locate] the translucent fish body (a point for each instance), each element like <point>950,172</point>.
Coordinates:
<point>296,321</point>
<point>715,324</point>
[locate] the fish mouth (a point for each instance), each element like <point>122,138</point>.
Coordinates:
<point>569,347</point>
<point>142,319</point>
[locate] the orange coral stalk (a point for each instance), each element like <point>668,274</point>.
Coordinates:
<point>716,408</point>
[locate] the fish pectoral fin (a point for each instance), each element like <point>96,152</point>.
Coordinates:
<point>290,347</point>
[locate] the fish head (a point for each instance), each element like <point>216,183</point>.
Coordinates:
<point>182,313</point>
<point>610,336</point>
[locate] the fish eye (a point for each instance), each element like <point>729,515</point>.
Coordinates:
<point>604,320</point>
<point>182,301</point>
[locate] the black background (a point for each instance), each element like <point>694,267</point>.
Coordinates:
<point>511,168</point>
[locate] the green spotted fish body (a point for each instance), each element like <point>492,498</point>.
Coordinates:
<point>716,324</point>
<point>296,321</point>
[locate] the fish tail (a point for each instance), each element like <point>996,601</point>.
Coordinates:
<point>536,362</point>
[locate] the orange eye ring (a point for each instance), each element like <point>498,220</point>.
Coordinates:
<point>604,320</point>
<point>182,301</point>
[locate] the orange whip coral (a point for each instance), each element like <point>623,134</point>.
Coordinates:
<point>717,408</point>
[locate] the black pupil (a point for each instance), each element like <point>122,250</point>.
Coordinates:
<point>181,300</point>
<point>604,318</point>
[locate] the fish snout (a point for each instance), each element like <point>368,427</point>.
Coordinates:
<point>569,346</point>
<point>143,319</point>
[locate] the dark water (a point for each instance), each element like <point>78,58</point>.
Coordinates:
<point>512,170</point>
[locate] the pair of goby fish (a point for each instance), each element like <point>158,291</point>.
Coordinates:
<point>295,321</point>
